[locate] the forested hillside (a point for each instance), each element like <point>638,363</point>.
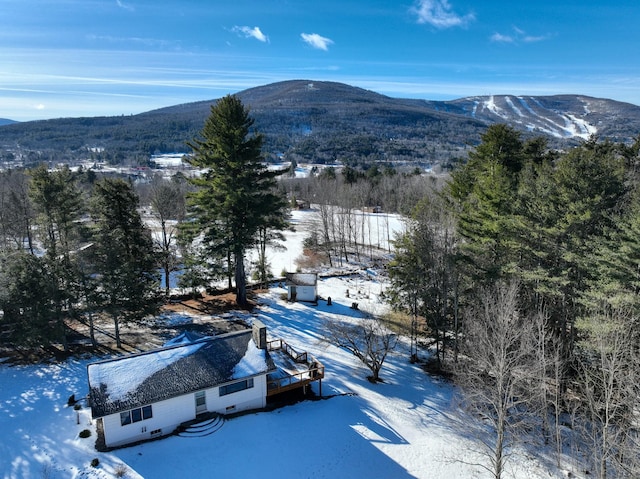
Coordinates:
<point>324,122</point>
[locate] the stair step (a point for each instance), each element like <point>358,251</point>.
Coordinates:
<point>204,428</point>
<point>204,424</point>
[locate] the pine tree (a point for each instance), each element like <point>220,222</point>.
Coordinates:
<point>236,192</point>
<point>123,255</point>
<point>422,273</point>
<point>25,299</point>
<point>483,194</point>
<point>58,204</point>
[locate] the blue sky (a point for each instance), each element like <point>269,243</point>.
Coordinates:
<point>68,58</point>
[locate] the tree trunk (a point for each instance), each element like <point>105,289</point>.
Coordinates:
<point>498,458</point>
<point>92,333</point>
<point>116,323</point>
<point>229,275</point>
<point>241,281</point>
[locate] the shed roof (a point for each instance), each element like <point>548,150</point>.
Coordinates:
<point>124,383</point>
<point>302,279</point>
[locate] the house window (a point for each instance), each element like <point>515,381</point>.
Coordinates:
<point>125,418</point>
<point>147,413</point>
<point>135,415</point>
<point>235,387</point>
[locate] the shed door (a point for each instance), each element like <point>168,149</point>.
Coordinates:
<point>201,402</point>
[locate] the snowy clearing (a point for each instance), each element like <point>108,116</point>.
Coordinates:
<point>406,427</point>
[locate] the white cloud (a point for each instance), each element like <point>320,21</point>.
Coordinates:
<point>317,41</point>
<point>532,39</point>
<point>249,32</point>
<point>124,5</point>
<point>439,14</point>
<point>519,36</point>
<point>500,38</point>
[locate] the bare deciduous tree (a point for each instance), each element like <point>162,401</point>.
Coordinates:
<point>367,339</point>
<point>497,370</point>
<point>167,199</point>
<point>608,380</point>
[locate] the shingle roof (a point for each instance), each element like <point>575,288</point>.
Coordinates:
<point>124,383</point>
<point>302,279</point>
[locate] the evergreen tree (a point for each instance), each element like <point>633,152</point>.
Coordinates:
<point>571,206</point>
<point>58,204</point>
<point>236,192</point>
<point>422,273</point>
<point>123,255</point>
<point>25,299</point>
<point>483,194</point>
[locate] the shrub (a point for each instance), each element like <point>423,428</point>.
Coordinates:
<point>94,462</point>
<point>121,470</point>
<point>85,433</point>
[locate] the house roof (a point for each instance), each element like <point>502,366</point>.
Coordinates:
<point>124,383</point>
<point>302,279</point>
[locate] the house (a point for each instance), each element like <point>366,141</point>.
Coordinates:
<point>152,394</point>
<point>302,286</point>
<point>149,395</point>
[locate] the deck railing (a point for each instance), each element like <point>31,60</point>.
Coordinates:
<point>277,344</point>
<point>314,372</point>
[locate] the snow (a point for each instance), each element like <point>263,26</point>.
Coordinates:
<point>135,370</point>
<point>379,230</point>
<point>406,427</point>
<point>491,105</point>
<point>539,118</point>
<point>514,107</point>
<point>253,360</point>
<point>170,160</point>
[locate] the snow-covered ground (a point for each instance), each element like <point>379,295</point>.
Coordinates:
<point>405,427</point>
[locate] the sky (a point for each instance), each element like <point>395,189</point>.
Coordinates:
<point>73,58</point>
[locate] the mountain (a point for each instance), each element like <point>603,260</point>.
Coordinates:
<point>5,121</point>
<point>327,121</point>
<point>559,117</point>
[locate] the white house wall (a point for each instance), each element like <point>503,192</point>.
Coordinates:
<point>169,414</point>
<point>304,293</point>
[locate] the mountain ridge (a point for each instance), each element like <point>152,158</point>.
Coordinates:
<point>322,121</point>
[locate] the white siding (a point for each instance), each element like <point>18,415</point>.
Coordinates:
<point>169,414</point>
<point>304,293</point>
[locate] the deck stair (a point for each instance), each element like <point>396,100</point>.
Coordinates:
<point>203,428</point>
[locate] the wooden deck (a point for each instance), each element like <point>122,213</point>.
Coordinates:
<point>295,370</point>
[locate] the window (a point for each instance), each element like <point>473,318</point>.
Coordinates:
<point>235,387</point>
<point>147,413</point>
<point>125,418</point>
<point>135,415</point>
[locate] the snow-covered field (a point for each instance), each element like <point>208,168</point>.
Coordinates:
<point>402,428</point>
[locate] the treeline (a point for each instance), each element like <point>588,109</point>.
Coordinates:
<point>523,274</point>
<point>74,246</point>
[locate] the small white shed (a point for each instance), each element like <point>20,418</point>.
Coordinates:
<point>148,395</point>
<point>302,286</point>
